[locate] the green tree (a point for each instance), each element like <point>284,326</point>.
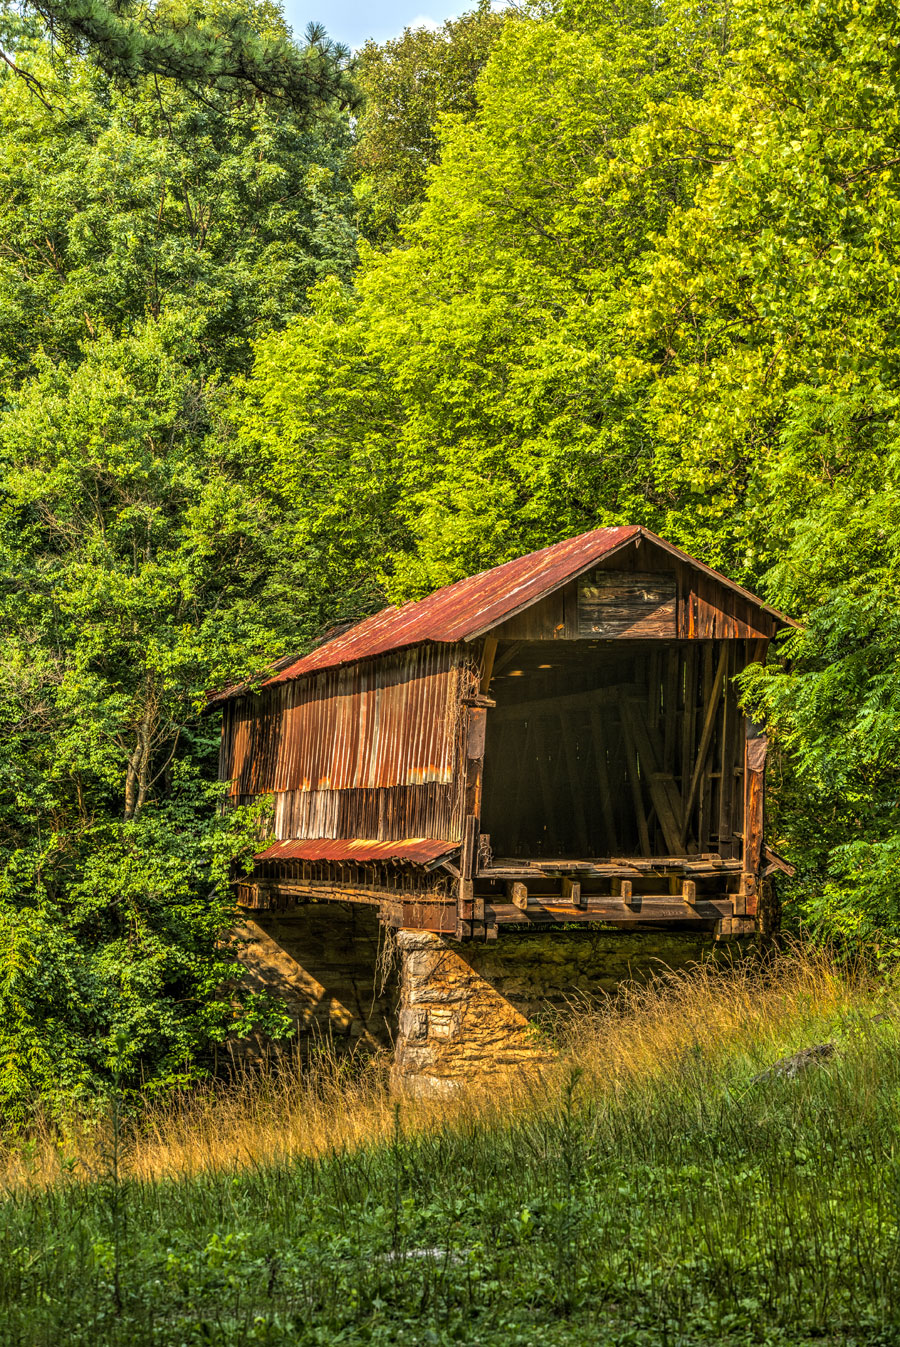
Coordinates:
<point>147,237</point>
<point>407,86</point>
<point>471,380</point>
<point>116,204</point>
<point>139,565</point>
<point>213,50</point>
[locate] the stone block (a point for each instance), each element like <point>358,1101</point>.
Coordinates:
<point>413,1023</point>
<point>414,1058</point>
<point>443,1022</point>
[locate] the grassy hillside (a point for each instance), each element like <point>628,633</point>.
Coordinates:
<point>651,1190</point>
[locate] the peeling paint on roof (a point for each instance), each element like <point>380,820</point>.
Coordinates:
<point>414,850</point>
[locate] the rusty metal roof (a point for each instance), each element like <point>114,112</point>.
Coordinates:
<point>472,606</point>
<point>466,608</point>
<point>414,850</point>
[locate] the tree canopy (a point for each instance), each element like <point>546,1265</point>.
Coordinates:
<point>147,238</point>
<point>407,86</point>
<point>219,49</point>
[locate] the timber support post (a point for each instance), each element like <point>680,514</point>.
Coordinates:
<point>755,751</point>
<point>466,902</point>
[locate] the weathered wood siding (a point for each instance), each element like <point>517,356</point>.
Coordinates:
<point>690,606</point>
<point>627,603</point>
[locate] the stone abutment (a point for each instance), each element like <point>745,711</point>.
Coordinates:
<point>452,1012</point>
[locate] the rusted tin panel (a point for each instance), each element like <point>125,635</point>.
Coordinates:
<point>363,727</point>
<point>414,850</point>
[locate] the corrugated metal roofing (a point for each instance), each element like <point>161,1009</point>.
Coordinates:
<point>417,850</point>
<point>474,605</point>
<point>466,608</point>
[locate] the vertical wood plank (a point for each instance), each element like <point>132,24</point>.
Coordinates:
<point>670,710</point>
<point>548,794</point>
<point>574,783</point>
<point>603,782</point>
<point>689,694</point>
<point>726,758</point>
<point>517,893</point>
<point>699,780</point>
<point>635,783</point>
<point>523,777</point>
<point>465,886</point>
<point>662,789</point>
<point>755,751</point>
<point>712,692</point>
<point>488,656</point>
<point>571,892</point>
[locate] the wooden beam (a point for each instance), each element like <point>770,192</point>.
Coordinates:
<point>487,663</point>
<point>709,725</point>
<point>571,892</point>
<point>469,848</point>
<point>415,917</point>
<point>746,898</point>
<point>730,747</point>
<point>476,731</point>
<point>506,658</point>
<point>468,860</point>
<point>522,776</point>
<point>602,771</point>
<point>755,751</point>
<point>634,780</point>
<point>276,892</point>
<point>625,867</point>
<point>663,791</point>
<point>689,718</point>
<point>729,928</point>
<point>775,862</point>
<point>568,740</point>
<point>548,794</point>
<point>654,908</point>
<point>517,893</point>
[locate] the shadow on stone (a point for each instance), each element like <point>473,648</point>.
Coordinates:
<point>326,962</point>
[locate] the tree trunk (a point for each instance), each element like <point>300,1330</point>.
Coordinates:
<point>138,778</point>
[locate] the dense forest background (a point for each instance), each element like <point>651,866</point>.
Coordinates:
<point>285,335</point>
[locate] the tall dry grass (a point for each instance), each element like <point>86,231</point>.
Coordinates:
<point>753,1009</point>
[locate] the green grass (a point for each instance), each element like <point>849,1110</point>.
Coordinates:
<point>689,1206</point>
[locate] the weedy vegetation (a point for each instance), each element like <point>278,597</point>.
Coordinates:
<point>661,1184</point>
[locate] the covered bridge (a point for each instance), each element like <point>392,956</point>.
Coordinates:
<point>551,742</point>
<point>556,739</point>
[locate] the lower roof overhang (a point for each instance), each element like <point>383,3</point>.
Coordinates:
<point>427,851</point>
